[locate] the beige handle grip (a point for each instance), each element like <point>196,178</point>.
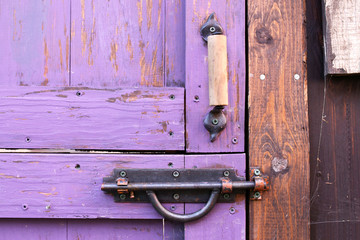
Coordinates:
<point>218,74</point>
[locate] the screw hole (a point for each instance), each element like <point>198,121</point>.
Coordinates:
<point>171,133</point>
<point>172,96</point>
<point>78,93</point>
<point>170,164</point>
<point>196,98</point>
<point>25,207</point>
<point>27,139</point>
<point>77,166</point>
<point>173,208</point>
<point>232,210</point>
<point>234,140</point>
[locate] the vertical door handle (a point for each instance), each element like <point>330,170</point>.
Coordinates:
<point>213,34</point>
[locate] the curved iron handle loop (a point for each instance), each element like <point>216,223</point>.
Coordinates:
<point>183,217</point>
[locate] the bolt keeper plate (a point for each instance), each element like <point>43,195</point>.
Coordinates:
<point>158,176</point>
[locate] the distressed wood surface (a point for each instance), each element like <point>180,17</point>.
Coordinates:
<point>334,137</point>
<point>124,229</point>
<point>174,66</point>
<point>231,15</point>
<point>342,36</point>
<point>68,185</point>
<point>88,229</point>
<point>117,43</point>
<point>219,223</point>
<point>84,118</point>
<point>278,120</point>
<point>35,42</point>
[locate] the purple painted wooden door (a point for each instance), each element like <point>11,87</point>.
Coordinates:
<point>88,86</point>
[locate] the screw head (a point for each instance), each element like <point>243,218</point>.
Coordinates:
<point>122,196</point>
<point>232,210</point>
<point>226,173</point>
<point>212,29</point>
<point>226,196</point>
<point>257,172</point>
<point>215,121</point>
<point>176,196</point>
<point>122,174</point>
<point>176,173</point>
<point>257,195</point>
<point>296,76</point>
<point>262,77</point>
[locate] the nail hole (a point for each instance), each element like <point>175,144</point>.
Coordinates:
<point>170,164</point>
<point>27,139</point>
<point>196,98</point>
<point>172,96</point>
<point>25,207</point>
<point>199,86</point>
<point>78,93</point>
<point>77,166</point>
<point>171,133</point>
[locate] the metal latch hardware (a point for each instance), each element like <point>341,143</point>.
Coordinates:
<point>182,186</point>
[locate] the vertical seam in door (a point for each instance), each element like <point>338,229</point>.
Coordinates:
<point>70,44</point>
<point>67,229</point>
<point>164,46</point>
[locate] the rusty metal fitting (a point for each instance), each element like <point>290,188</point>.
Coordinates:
<point>226,185</point>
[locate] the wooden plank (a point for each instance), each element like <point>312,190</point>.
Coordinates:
<point>33,229</point>
<point>220,223</point>
<point>124,229</point>
<point>35,43</point>
<point>231,16</point>
<point>342,36</point>
<point>117,43</point>
<point>68,185</point>
<point>278,120</point>
<point>335,203</point>
<point>174,43</point>
<point>84,118</point>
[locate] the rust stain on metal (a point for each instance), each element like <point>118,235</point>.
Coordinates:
<point>226,184</point>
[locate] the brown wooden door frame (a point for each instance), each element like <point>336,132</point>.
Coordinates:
<point>278,118</point>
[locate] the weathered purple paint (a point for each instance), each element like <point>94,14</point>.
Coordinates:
<point>129,119</point>
<point>231,15</point>
<point>54,229</point>
<point>117,43</point>
<point>220,223</point>
<point>68,185</point>
<point>124,229</point>
<point>35,42</point>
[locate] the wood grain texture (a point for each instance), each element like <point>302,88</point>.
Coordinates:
<point>35,42</point>
<point>335,203</point>
<point>68,185</point>
<point>174,43</point>
<point>218,72</point>
<point>84,118</point>
<point>278,120</point>
<point>124,229</point>
<point>342,36</point>
<point>231,15</point>
<point>117,43</point>
<point>219,223</point>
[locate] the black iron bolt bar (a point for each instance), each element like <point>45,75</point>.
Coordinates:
<point>236,185</point>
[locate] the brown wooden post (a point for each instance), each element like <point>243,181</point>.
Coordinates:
<point>278,118</point>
